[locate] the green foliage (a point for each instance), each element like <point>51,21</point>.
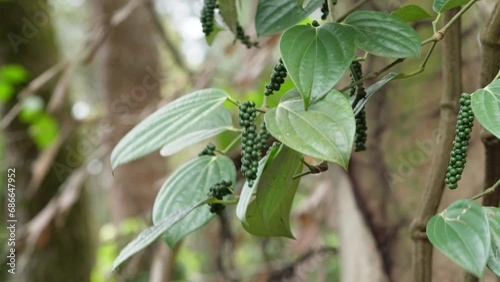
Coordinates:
<point>441,6</point>
<point>462,233</point>
<point>316,58</point>
<point>486,106</point>
<point>493,215</point>
<point>187,120</point>
<point>325,131</point>
<point>411,13</point>
<point>186,185</point>
<point>11,76</point>
<point>458,155</point>
<point>148,236</point>
<point>268,214</point>
<point>44,130</point>
<point>384,35</point>
<point>278,15</point>
<point>229,14</point>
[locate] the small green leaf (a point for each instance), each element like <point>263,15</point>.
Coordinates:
<point>44,131</point>
<point>493,215</point>
<point>229,13</point>
<point>6,91</point>
<point>461,232</point>
<point>247,192</point>
<point>411,13</point>
<point>325,131</point>
<point>211,37</point>
<point>188,184</point>
<point>149,235</point>
<point>278,15</point>
<point>303,3</point>
<point>383,35</point>
<point>13,74</point>
<point>316,58</point>
<point>441,6</point>
<point>199,111</point>
<point>486,107</point>
<point>372,89</point>
<point>269,213</point>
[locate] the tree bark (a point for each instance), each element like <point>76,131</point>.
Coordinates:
<point>433,191</point>
<point>65,251</point>
<point>130,66</point>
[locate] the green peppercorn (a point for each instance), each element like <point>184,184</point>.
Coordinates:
<point>245,39</point>
<point>207,16</point>
<point>209,150</point>
<point>324,10</point>
<point>218,191</point>
<point>249,140</point>
<point>277,78</point>
<point>361,136</point>
<point>458,155</point>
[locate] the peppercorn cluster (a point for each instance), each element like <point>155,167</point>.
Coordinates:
<point>324,10</point>
<point>277,78</point>
<point>219,190</point>
<point>209,150</point>
<point>249,142</point>
<point>465,122</point>
<point>207,16</point>
<point>361,136</point>
<point>262,139</point>
<point>245,39</point>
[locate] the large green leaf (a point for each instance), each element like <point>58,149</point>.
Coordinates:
<point>441,6</point>
<point>411,13</point>
<point>188,184</point>
<point>275,192</point>
<point>247,192</point>
<point>383,35</point>
<point>461,232</point>
<point>278,15</point>
<point>269,213</point>
<point>486,107</point>
<point>316,58</point>
<point>229,13</point>
<point>325,131</point>
<point>149,235</point>
<point>198,111</point>
<point>371,90</point>
<point>493,215</point>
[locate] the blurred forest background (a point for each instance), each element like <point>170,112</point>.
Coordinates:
<point>76,75</point>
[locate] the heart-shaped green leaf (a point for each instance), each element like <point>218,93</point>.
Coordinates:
<point>493,215</point>
<point>411,13</point>
<point>441,6</point>
<point>149,235</point>
<point>461,232</point>
<point>247,192</point>
<point>229,13</point>
<point>325,131</point>
<point>486,107</point>
<point>278,15</point>
<point>186,185</point>
<point>200,111</point>
<point>316,58</point>
<point>269,213</point>
<point>383,35</point>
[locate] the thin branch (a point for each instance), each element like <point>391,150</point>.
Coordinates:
<point>422,66</point>
<point>487,191</point>
<point>353,8</point>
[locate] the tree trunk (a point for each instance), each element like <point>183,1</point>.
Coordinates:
<point>64,252</point>
<point>131,83</point>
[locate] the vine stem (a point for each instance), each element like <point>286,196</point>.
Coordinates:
<point>487,191</point>
<point>226,202</point>
<point>497,76</point>
<point>354,8</point>
<point>438,35</point>
<point>331,10</point>
<point>235,140</point>
<point>373,74</point>
<point>422,66</point>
